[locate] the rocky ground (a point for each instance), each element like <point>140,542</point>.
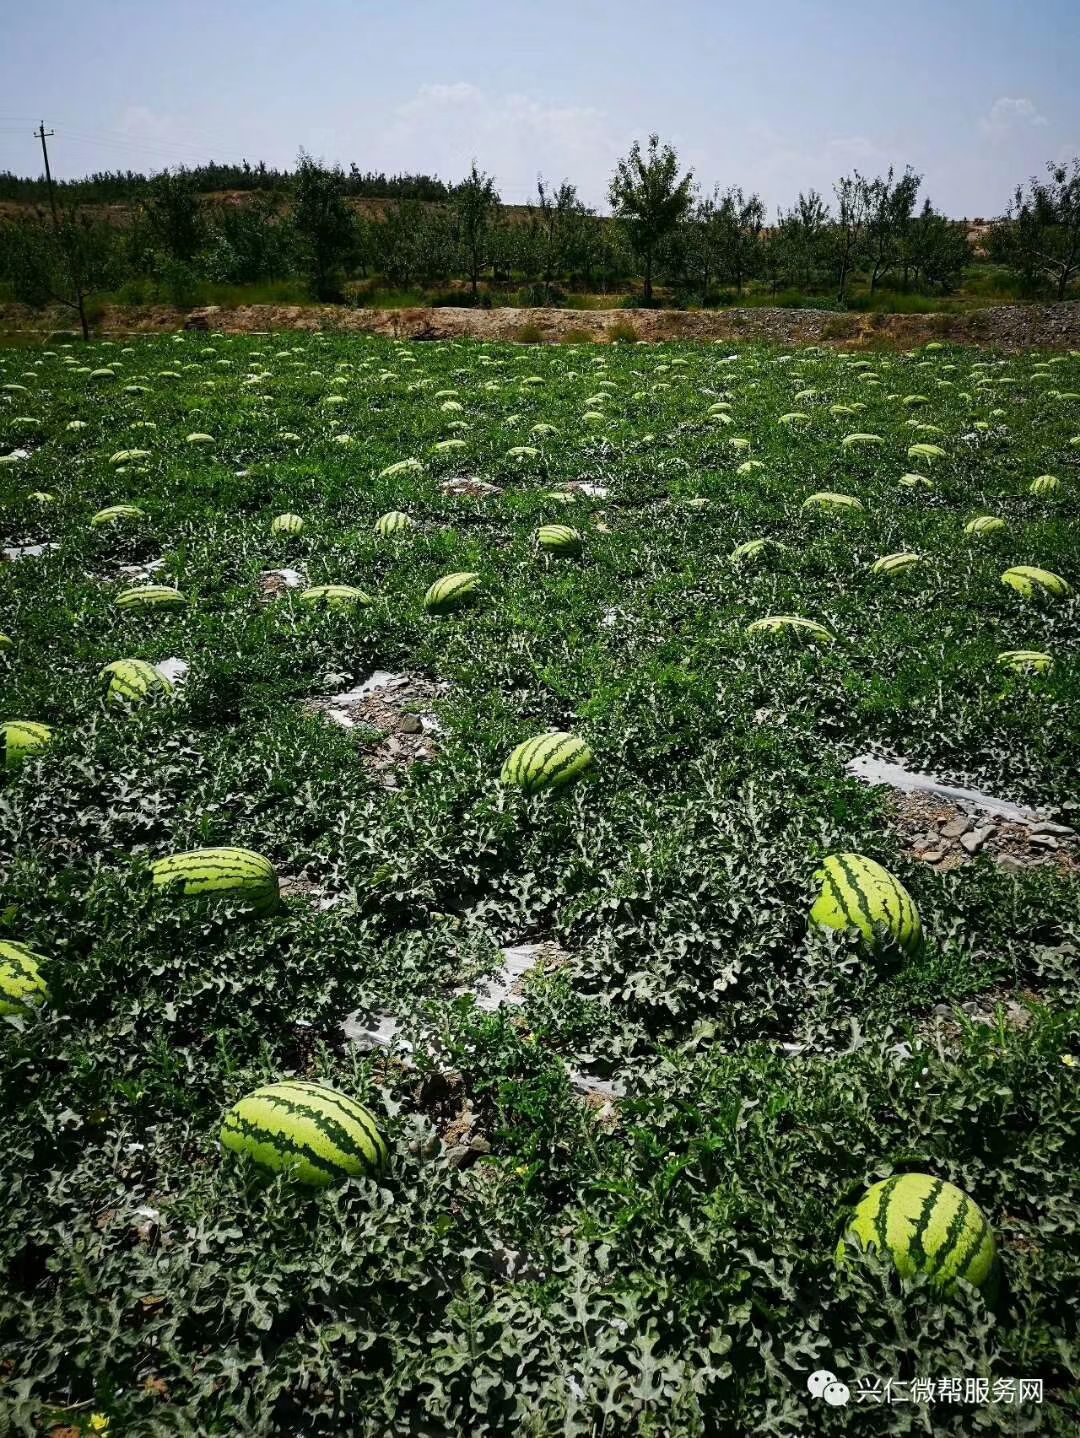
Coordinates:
<point>947,835</point>
<point>1006,327</point>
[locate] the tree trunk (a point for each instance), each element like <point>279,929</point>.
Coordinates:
<point>81,301</point>
<point>648,279</point>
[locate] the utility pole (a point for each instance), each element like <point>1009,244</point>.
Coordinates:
<point>69,250</point>
<point>42,134</point>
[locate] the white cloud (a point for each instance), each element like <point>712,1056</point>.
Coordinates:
<point>443,127</point>
<point>1008,115</point>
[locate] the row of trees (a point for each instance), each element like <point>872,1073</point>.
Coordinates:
<point>125,186</point>
<point>662,229</point>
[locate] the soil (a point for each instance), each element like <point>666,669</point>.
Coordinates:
<point>1005,327</point>
<point>390,710</point>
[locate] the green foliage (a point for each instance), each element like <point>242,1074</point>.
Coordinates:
<point>648,192</point>
<point>662,1264</point>
<point>325,226</point>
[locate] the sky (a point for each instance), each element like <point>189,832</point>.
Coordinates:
<point>778,97</point>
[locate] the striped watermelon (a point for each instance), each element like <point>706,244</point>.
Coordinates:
<point>1045,484</point>
<point>927,1226</point>
<point>392,523</point>
<point>1025,661</point>
<point>115,513</point>
<point>130,681</point>
<point>791,623</point>
<point>1027,580</point>
<point>453,591</point>
<point>984,524</point>
<point>129,456</point>
<point>22,989</point>
<point>286,524</point>
<point>335,596</point>
<point>857,893</point>
<point>559,539</point>
<point>6,642</point>
<point>549,761</point>
<point>895,563</point>
<point>315,1134</point>
<point>151,596</point>
<point>220,874</point>
<point>22,739</point>
<point>752,549</point>
<point>860,441</point>
<point>828,501</point>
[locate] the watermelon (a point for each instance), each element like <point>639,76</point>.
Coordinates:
<point>452,591</point>
<point>752,549</point>
<point>1027,580</point>
<point>549,761</point>
<point>857,893</point>
<point>151,596</point>
<point>392,523</point>
<point>895,563</point>
<point>286,524</point>
<point>131,681</point>
<point>1025,661</point>
<point>927,1226</point>
<point>777,623</point>
<point>314,1134</point>
<point>225,873</point>
<point>22,988</point>
<point>984,524</point>
<point>1045,484</point>
<point>559,539</point>
<point>335,596</point>
<point>22,739</point>
<point>115,513</point>
<point>828,501</point>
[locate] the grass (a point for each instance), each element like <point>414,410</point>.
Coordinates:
<point>662,1265</point>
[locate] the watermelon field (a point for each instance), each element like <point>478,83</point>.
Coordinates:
<point>611,1038</point>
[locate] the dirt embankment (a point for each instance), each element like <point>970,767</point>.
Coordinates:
<point>1006,327</point>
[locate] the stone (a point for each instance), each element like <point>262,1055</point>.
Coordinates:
<point>954,828</point>
<point>1042,841</point>
<point>974,841</point>
<point>1012,865</point>
<point>933,856</point>
<point>411,724</point>
<point>1044,826</point>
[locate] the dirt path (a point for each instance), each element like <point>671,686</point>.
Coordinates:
<point>1006,327</point>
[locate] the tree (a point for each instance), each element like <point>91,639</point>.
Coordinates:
<point>796,250</point>
<point>557,224</point>
<point>171,207</point>
<point>248,242</point>
<point>475,203</point>
<point>62,263</point>
<point>850,229</point>
<point>324,225</point>
<point>704,251</point>
<point>647,192</point>
<point>1039,235</point>
<point>399,242</point>
<point>738,222</point>
<point>888,207</point>
<point>936,250</point>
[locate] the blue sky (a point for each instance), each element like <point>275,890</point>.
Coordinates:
<point>774,96</point>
